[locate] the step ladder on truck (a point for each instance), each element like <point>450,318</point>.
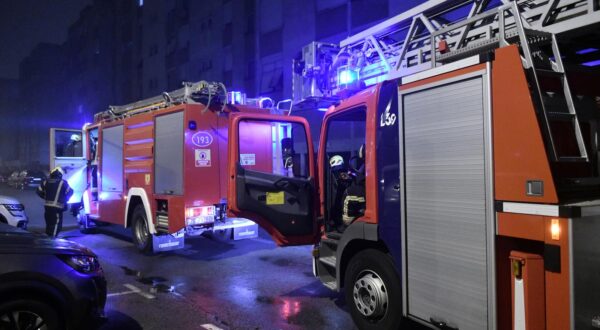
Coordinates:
<point>157,165</point>
<point>457,181</point>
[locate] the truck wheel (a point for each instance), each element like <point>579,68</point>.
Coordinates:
<point>28,314</point>
<point>141,235</point>
<point>373,291</point>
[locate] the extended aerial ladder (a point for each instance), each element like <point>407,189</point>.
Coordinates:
<point>453,30</point>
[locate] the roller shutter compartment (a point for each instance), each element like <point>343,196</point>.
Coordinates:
<point>446,204</point>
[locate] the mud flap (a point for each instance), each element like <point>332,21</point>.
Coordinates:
<point>168,242</point>
<point>247,230</point>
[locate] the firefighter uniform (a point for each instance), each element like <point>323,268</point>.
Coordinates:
<point>56,192</point>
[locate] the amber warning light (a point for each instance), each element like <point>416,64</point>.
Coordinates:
<point>555,229</point>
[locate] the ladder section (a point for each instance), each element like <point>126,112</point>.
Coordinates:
<point>191,93</point>
<point>542,59</point>
<point>550,87</point>
<point>402,46</point>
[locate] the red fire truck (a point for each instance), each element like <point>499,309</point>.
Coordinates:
<point>459,186</point>
<point>158,165</point>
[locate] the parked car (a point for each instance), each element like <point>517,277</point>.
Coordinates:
<point>12,212</point>
<point>13,180</point>
<point>30,179</point>
<point>51,282</point>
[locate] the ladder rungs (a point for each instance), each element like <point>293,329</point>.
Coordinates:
<point>563,116</point>
<point>572,159</point>
<point>550,72</point>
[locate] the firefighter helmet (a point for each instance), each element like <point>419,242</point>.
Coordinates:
<point>57,171</point>
<point>336,160</point>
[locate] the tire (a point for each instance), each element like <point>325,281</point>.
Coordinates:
<point>141,235</point>
<point>29,314</point>
<point>373,291</point>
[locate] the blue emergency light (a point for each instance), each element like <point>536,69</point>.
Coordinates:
<point>347,76</point>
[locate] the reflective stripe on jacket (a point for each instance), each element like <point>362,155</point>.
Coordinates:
<point>56,192</point>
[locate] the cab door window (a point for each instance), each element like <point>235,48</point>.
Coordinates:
<point>68,144</point>
<point>345,193</point>
<point>274,148</point>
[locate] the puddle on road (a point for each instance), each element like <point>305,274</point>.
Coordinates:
<point>292,310</point>
<point>130,272</point>
<point>157,283</point>
<point>280,262</point>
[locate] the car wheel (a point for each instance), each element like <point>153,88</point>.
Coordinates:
<point>29,314</point>
<point>373,292</point>
<point>141,234</point>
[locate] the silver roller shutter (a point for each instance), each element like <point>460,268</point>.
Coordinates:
<point>112,159</point>
<point>446,204</point>
<point>168,154</point>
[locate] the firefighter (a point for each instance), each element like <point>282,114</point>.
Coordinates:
<point>74,148</point>
<point>354,197</point>
<point>340,180</point>
<point>56,192</point>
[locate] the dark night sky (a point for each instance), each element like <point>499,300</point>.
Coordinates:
<point>25,23</point>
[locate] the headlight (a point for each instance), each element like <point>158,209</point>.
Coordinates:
<point>81,263</point>
<point>14,209</point>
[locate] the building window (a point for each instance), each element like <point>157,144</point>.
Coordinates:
<point>153,50</point>
<point>271,43</point>
<point>227,34</point>
<point>331,21</point>
<point>368,11</point>
<point>152,84</point>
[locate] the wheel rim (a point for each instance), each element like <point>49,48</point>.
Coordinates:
<point>370,295</point>
<point>23,320</point>
<point>141,232</point>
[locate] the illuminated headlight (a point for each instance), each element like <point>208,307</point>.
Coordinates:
<point>199,215</point>
<point>201,220</point>
<point>81,263</point>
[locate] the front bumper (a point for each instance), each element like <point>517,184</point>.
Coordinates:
<point>89,301</point>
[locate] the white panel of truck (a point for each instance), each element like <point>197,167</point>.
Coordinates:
<point>445,205</point>
<point>168,154</point>
<point>112,159</point>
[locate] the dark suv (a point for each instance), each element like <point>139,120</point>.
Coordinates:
<point>48,283</point>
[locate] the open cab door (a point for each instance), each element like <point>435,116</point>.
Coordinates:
<point>272,176</point>
<point>68,150</point>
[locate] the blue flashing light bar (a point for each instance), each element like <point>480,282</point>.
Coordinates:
<point>591,63</point>
<point>586,51</point>
<point>347,76</point>
<point>235,97</point>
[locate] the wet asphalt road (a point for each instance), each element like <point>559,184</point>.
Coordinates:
<point>248,284</point>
